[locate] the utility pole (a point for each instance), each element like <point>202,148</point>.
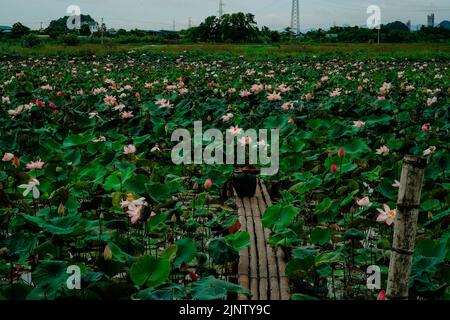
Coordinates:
<point>379,30</point>
<point>295,17</point>
<point>103,29</point>
<point>221,8</point>
<point>405,227</point>
<point>41,27</point>
<point>190,23</point>
<point>174,25</point>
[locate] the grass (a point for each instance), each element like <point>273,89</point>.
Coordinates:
<point>328,50</point>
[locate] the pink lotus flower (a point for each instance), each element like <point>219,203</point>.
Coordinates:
<point>384,150</point>
<point>245,94</point>
<point>335,93</point>
<point>431,101</point>
<point>40,103</point>
<point>109,100</point>
<point>7,157</point>
<point>227,117</point>
<point>309,96</point>
<point>382,296</point>
<point>6,100</point>
<point>396,184</point>
<point>291,121</point>
<point>134,208</point>
<point>134,213</point>
<point>245,141</point>
<point>387,85</point>
<point>364,202</point>
<point>274,96</point>
<point>235,130</point>
<point>163,103</point>
<point>130,201</point>
<point>426,127</point>
<point>119,107</point>
<point>358,124</point>
<point>334,167</point>
<point>341,153</point>
<point>287,106</point>
<point>127,115</point>
<point>130,149</point>
<point>257,88</point>
<point>107,253</point>
<point>208,184</point>
<point>387,215</point>
<point>410,88</point>
<point>35,165</point>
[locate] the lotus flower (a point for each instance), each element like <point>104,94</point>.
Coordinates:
<point>7,157</point>
<point>235,130</point>
<point>334,167</point>
<point>107,253</point>
<point>109,100</point>
<point>274,97</point>
<point>384,150</point>
<point>130,149</point>
<point>358,124</point>
<point>134,213</point>
<point>429,151</point>
<point>127,115</point>
<point>35,165</point>
<point>31,187</point>
<point>382,295</point>
<point>387,215</point>
<point>426,127</point>
<point>208,184</point>
<point>364,202</point>
<point>245,94</point>
<point>227,117</point>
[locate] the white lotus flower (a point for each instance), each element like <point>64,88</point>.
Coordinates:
<point>31,186</point>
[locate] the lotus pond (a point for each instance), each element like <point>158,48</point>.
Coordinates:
<point>87,180</point>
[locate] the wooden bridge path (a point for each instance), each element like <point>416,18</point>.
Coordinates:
<point>261,267</point>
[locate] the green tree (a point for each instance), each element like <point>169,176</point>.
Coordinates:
<point>85,30</point>
<point>19,30</point>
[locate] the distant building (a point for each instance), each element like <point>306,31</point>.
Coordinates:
<point>408,24</point>
<point>5,29</point>
<point>430,19</point>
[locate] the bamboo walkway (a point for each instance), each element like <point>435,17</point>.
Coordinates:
<point>261,267</point>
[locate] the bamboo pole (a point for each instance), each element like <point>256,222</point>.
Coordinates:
<point>405,227</point>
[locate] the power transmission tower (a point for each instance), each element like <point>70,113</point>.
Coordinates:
<point>295,19</point>
<point>174,25</point>
<point>190,23</point>
<point>221,8</point>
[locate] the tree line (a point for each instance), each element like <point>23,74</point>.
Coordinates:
<point>236,28</point>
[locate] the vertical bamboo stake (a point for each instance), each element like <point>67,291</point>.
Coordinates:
<point>405,227</point>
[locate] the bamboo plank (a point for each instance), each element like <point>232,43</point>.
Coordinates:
<point>273,275</point>
<point>254,285</point>
<point>261,247</point>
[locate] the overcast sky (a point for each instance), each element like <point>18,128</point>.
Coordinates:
<point>159,14</point>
